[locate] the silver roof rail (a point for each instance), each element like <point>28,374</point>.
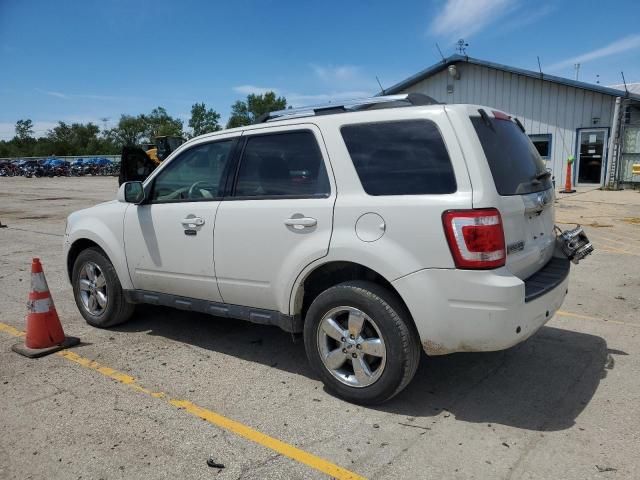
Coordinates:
<point>382,101</point>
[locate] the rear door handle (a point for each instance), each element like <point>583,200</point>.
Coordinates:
<point>192,222</point>
<point>301,222</point>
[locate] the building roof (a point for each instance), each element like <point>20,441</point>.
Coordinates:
<point>453,59</point>
<point>632,87</point>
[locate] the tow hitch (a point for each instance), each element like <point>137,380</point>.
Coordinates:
<point>574,243</point>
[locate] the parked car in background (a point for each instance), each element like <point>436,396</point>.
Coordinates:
<point>30,168</point>
<point>55,167</point>
<point>7,169</point>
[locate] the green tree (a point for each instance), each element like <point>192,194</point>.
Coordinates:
<point>129,131</point>
<point>24,129</point>
<point>247,112</point>
<point>159,123</point>
<point>73,139</point>
<point>202,120</point>
<point>132,130</point>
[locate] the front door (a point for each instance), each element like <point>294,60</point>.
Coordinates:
<point>169,238</point>
<point>278,219</point>
<point>592,144</point>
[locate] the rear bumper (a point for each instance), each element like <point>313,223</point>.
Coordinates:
<point>473,311</point>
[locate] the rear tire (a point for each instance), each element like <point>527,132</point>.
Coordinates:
<point>366,366</point>
<point>97,290</point>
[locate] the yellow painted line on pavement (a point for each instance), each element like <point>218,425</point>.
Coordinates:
<point>210,416</point>
<point>10,330</point>
<point>562,313</point>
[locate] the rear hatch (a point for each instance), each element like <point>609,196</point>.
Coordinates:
<point>525,191</point>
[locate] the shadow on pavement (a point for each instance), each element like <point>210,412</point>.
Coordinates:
<point>542,384</point>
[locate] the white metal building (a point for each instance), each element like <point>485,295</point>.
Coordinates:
<point>563,117</point>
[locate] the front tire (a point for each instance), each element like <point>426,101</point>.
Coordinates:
<point>360,340</point>
<point>97,290</point>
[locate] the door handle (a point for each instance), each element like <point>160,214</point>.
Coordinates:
<point>192,222</point>
<point>301,222</point>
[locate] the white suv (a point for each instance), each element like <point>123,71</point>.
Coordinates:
<point>378,228</point>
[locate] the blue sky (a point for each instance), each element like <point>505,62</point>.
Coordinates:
<point>90,60</point>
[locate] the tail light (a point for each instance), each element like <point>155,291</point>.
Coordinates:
<point>476,238</point>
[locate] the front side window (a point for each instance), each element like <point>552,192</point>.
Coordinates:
<point>282,165</point>
<point>405,157</point>
<point>195,175</point>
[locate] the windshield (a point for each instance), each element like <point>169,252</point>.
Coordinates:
<point>515,164</point>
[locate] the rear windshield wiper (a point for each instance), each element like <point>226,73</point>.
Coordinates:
<point>486,119</point>
<point>542,175</point>
<point>537,178</point>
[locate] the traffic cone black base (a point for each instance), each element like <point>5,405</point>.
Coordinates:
<point>22,349</point>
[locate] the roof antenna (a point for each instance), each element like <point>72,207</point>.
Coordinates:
<point>540,68</point>
<point>625,83</point>
<point>381,89</point>
<point>440,51</point>
<point>461,46</point>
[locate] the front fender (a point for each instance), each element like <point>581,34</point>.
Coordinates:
<point>106,231</point>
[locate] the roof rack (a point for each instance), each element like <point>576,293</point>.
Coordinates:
<point>382,101</point>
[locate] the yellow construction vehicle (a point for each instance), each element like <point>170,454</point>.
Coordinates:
<point>138,162</point>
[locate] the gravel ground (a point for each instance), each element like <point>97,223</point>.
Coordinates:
<point>564,404</point>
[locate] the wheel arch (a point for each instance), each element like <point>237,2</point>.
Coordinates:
<point>109,247</point>
<point>75,249</point>
<point>331,273</point>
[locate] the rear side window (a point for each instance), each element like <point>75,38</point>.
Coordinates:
<point>405,157</point>
<point>515,164</point>
<point>282,165</point>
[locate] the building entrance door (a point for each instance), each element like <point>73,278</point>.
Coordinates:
<point>592,145</point>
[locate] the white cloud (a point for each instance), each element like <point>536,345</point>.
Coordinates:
<point>463,18</point>
<point>339,82</point>
<point>527,17</point>
<point>301,99</point>
<point>40,129</point>
<point>70,96</point>
<point>339,73</point>
<point>249,89</point>
<point>296,99</point>
<point>622,45</point>
<point>52,93</point>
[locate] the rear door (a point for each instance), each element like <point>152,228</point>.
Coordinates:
<point>525,191</point>
<point>278,218</point>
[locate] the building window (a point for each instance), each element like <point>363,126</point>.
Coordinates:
<point>542,144</point>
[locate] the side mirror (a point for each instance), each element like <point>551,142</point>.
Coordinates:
<point>131,192</point>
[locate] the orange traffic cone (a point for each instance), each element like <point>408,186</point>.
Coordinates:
<point>44,331</point>
<point>567,179</point>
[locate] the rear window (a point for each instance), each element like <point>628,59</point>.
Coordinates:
<point>514,161</point>
<point>405,157</point>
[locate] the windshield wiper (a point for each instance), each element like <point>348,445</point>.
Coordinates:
<point>542,175</point>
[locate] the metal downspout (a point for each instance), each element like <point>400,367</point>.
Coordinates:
<point>612,162</point>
